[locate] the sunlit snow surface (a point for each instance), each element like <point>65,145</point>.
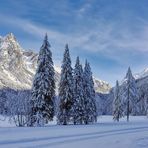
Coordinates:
<point>104,134</point>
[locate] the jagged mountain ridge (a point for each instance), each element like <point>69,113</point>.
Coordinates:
<point>14,70</point>
<point>17,66</point>
<point>142,74</point>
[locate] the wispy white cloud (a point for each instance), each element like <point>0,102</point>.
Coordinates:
<point>104,38</point>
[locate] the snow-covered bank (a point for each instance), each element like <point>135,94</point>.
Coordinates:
<point>103,134</point>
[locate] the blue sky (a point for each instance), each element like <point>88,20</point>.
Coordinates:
<point>110,34</point>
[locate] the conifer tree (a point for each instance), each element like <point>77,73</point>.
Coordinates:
<point>117,105</point>
<point>43,89</point>
<point>78,106</point>
<point>130,94</point>
<point>93,108</point>
<point>65,90</point>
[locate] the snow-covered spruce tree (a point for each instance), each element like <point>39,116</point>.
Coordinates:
<point>129,94</point>
<point>89,95</point>
<point>78,104</point>
<point>117,104</point>
<point>43,90</point>
<point>65,90</point>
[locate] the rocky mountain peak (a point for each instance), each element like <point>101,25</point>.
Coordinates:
<point>10,36</point>
<point>10,42</point>
<point>17,66</point>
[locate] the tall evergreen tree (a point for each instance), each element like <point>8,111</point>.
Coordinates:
<point>117,105</point>
<point>65,90</point>
<point>90,94</point>
<point>78,106</point>
<point>43,89</point>
<point>130,94</point>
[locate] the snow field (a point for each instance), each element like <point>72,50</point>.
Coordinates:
<point>104,134</point>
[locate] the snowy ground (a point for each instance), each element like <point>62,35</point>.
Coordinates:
<point>104,134</point>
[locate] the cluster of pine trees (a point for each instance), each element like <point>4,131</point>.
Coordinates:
<point>76,99</point>
<point>125,98</point>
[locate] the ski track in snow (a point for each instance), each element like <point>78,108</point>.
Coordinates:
<point>74,138</point>
<point>111,134</point>
<point>82,137</point>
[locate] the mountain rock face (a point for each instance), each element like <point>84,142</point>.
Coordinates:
<point>17,67</point>
<point>101,86</point>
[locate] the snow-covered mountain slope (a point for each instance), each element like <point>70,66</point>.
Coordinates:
<point>17,66</point>
<point>142,78</point>
<point>101,86</point>
<point>142,74</point>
